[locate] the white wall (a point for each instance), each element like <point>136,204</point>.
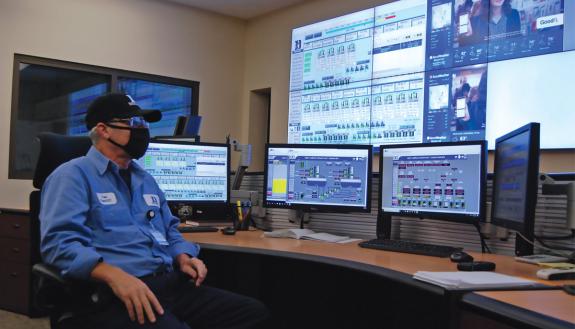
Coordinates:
<point>146,36</point>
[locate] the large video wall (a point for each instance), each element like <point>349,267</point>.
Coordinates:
<point>414,71</point>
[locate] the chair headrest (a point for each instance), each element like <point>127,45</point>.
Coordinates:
<point>55,150</point>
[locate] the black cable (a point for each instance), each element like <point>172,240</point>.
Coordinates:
<point>478,228</point>
<point>553,247</point>
<point>484,245</point>
<point>558,237</point>
<point>547,249</point>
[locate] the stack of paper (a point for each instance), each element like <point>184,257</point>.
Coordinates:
<point>472,280</point>
<point>305,234</point>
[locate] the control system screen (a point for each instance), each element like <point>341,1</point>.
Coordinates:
<point>422,71</point>
<point>317,177</point>
<point>189,172</point>
<point>442,179</point>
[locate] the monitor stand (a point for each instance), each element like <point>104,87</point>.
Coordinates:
<point>523,247</point>
<point>384,226</point>
<point>299,217</point>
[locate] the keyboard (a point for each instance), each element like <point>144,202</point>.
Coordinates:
<point>197,229</point>
<point>409,247</point>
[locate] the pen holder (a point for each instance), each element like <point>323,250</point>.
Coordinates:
<point>241,218</point>
<point>243,225</point>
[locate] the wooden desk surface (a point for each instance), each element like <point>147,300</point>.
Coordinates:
<point>401,262</point>
<point>552,303</point>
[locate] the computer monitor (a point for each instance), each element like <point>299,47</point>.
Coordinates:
<point>318,177</point>
<point>188,126</point>
<point>434,180</point>
<point>196,174</point>
<point>515,183</point>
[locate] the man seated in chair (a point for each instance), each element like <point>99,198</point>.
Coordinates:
<point>104,218</point>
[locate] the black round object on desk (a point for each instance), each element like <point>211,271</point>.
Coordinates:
<point>460,257</point>
<point>228,230</point>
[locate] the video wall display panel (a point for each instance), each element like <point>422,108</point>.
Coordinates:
<point>533,96</point>
<point>423,70</point>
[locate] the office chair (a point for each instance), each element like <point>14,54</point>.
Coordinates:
<point>53,294</point>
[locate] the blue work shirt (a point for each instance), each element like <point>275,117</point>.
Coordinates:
<point>88,215</point>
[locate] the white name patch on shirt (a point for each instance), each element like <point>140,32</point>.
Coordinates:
<point>107,198</point>
<point>152,200</point>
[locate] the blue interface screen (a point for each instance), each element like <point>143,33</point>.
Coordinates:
<point>416,71</point>
<point>328,178</point>
<point>510,190</point>
<point>195,173</point>
<point>78,103</point>
<point>172,100</point>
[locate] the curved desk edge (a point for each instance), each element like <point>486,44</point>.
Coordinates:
<point>513,313</point>
<point>347,264</point>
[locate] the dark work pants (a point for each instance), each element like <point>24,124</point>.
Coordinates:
<point>185,307</point>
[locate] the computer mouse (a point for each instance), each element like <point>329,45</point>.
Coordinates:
<point>460,256</point>
<point>570,289</point>
<point>229,230</point>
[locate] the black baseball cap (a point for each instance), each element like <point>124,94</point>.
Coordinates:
<point>117,106</point>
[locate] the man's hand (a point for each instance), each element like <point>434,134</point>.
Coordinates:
<point>134,293</point>
<point>193,267</point>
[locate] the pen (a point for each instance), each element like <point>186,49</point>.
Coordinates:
<point>240,214</point>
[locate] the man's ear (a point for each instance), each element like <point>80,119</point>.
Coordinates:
<point>103,130</point>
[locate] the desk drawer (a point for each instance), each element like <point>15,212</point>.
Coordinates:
<point>15,287</point>
<point>15,250</point>
<point>14,226</point>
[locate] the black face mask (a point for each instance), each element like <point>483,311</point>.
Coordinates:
<point>138,143</point>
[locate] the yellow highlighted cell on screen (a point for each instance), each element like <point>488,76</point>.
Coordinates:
<point>279,186</point>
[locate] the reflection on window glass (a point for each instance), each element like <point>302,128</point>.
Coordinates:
<point>49,100</point>
<point>172,100</point>
<point>78,105</point>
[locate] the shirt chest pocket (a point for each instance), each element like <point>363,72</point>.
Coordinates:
<point>109,216</point>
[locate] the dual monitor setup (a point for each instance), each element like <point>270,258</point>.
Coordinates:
<point>444,181</point>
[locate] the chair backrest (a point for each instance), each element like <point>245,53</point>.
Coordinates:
<point>55,150</point>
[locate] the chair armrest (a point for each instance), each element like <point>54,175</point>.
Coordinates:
<point>53,291</point>
<point>49,272</point>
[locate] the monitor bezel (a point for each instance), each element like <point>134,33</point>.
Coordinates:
<point>528,224</point>
<point>319,207</point>
<point>451,217</point>
<point>194,202</point>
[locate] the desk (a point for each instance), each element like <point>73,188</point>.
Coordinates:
<point>308,270</point>
<point>540,309</point>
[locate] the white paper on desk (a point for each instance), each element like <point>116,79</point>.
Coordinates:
<point>475,280</point>
<point>305,234</point>
<point>325,237</point>
<point>348,240</point>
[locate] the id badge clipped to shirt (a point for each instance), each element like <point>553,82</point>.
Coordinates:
<point>160,238</point>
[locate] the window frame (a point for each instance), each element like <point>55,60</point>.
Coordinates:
<point>113,74</point>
